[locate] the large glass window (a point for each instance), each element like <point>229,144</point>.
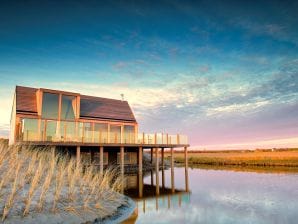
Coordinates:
<point>50,105</point>
<point>68,107</point>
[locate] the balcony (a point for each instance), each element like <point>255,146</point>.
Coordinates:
<point>43,130</point>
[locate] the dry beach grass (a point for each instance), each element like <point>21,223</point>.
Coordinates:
<point>39,182</point>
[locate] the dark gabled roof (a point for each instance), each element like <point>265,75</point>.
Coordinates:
<point>26,99</point>
<point>97,107</point>
<point>90,106</point>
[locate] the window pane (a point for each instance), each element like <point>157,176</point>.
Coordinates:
<point>87,132</point>
<point>68,107</point>
<point>50,104</point>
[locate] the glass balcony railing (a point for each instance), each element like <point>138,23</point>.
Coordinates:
<point>91,132</point>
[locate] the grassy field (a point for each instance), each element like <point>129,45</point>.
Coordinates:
<point>35,181</point>
<point>288,158</point>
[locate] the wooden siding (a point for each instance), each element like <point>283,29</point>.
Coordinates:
<point>26,99</point>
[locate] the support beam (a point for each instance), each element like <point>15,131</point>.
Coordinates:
<point>151,157</point>
<point>162,169</point>
<point>186,168</point>
<point>53,150</point>
<point>140,172</point>
<point>78,155</point>
<point>172,171</point>
<point>101,160</point>
<point>122,166</point>
<point>157,170</point>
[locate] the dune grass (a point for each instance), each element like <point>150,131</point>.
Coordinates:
<point>287,158</point>
<point>34,180</point>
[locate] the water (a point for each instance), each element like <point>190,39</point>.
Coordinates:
<point>221,196</point>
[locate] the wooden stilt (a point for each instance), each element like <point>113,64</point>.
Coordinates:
<point>140,172</point>
<point>186,169</point>
<point>122,166</point>
<point>101,160</point>
<point>157,171</point>
<point>162,169</point>
<point>172,171</point>
<point>78,155</point>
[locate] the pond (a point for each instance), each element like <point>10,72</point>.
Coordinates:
<point>221,196</point>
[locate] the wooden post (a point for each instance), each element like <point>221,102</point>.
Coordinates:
<point>101,160</point>
<point>140,172</point>
<point>162,169</point>
<point>151,158</point>
<point>186,168</point>
<point>144,205</point>
<point>162,157</point>
<point>157,171</point>
<point>121,134</point>
<point>172,171</point>
<point>122,166</point>
<point>143,138</point>
<point>108,134</point>
<point>53,150</point>
<point>78,155</point>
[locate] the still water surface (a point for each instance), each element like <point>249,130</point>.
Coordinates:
<point>221,196</point>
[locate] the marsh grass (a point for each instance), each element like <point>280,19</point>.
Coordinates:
<point>34,180</point>
<point>286,158</point>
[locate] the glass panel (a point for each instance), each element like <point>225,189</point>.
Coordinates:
<point>68,131</point>
<point>50,105</point>
<point>100,133</point>
<point>81,132</point>
<point>51,132</point>
<point>129,134</point>
<point>68,107</point>
<point>115,134</point>
<point>30,129</point>
<point>87,132</point>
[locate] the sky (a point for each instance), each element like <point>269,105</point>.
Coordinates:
<point>225,73</point>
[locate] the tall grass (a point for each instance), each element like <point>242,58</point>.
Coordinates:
<point>34,180</point>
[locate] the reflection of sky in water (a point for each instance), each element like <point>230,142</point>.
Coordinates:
<point>226,197</point>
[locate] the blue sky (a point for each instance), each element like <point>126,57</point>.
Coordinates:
<point>222,73</point>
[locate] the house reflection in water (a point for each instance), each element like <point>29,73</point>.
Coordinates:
<point>149,199</point>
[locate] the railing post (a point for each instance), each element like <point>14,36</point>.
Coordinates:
<point>143,142</point>
<point>101,160</point>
